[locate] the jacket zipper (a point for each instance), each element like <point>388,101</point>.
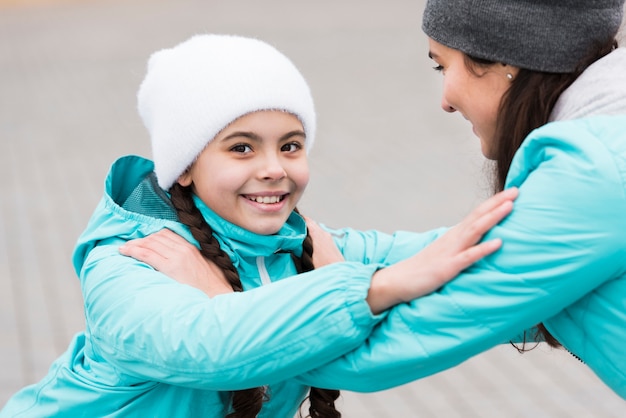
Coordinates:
<point>265,276</point>
<point>575,356</point>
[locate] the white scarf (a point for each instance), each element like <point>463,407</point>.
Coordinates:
<point>600,90</point>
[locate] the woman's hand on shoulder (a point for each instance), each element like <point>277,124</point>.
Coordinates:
<point>324,249</point>
<point>177,258</point>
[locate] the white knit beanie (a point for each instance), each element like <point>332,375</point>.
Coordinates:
<point>193,91</point>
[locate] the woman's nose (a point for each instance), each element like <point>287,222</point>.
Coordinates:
<point>447,107</point>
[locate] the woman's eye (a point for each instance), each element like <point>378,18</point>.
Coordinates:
<point>242,148</point>
<point>438,68</point>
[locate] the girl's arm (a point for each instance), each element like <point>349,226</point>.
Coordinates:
<point>152,328</point>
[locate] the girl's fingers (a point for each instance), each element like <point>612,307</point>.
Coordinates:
<point>474,253</point>
<point>493,202</point>
<point>490,219</point>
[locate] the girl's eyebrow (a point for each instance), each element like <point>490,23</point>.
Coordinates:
<point>254,137</point>
<point>246,134</point>
<point>432,55</point>
<point>296,132</point>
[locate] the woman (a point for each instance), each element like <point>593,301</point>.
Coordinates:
<point>544,87</point>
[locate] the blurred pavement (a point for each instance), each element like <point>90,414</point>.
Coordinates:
<point>386,157</point>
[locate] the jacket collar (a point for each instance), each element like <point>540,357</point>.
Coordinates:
<point>241,243</point>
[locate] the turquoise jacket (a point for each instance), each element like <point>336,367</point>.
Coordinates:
<point>156,348</point>
<point>563,260</point>
<point>563,263</point>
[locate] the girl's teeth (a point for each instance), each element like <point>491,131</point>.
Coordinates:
<point>266,199</point>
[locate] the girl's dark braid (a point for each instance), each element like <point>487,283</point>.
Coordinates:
<point>321,401</point>
<point>246,403</point>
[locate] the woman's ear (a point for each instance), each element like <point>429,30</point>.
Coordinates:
<point>185,179</point>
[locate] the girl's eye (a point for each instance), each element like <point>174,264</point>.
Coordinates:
<point>241,148</point>
<point>438,68</point>
<point>291,147</point>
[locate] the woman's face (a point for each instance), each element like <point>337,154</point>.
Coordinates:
<point>254,171</point>
<point>476,95</point>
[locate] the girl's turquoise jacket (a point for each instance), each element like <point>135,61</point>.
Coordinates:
<point>156,348</point>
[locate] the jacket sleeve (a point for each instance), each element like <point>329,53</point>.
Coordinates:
<point>375,247</point>
<point>137,322</point>
<point>564,238</point>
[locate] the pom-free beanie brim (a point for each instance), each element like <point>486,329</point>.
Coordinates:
<point>542,35</point>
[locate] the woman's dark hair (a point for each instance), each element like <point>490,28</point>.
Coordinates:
<point>525,106</point>
<point>246,403</point>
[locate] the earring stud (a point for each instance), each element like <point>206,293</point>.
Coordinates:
<point>509,76</point>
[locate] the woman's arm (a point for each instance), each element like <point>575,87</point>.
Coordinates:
<point>563,240</point>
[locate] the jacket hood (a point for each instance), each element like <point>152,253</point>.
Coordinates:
<point>600,90</point>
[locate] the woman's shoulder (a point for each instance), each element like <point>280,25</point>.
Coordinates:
<point>596,143</point>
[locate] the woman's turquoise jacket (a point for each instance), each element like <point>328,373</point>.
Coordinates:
<point>563,259</point>
<point>156,348</point>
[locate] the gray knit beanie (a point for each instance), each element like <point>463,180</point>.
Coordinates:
<point>542,35</point>
<point>194,90</point>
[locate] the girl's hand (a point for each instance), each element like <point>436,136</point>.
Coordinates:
<point>177,258</point>
<point>324,249</point>
<point>444,258</point>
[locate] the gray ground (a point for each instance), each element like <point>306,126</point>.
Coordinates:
<point>386,157</point>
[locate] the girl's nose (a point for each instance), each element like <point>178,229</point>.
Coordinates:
<point>272,169</point>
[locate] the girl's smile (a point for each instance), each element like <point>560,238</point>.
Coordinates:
<point>267,199</point>
<point>267,202</point>
<point>254,171</point>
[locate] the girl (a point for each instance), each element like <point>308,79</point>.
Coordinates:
<point>230,120</point>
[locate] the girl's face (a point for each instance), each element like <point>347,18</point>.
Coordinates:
<point>475,95</point>
<point>254,171</point>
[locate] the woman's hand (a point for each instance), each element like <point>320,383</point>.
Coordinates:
<point>444,258</point>
<point>324,249</point>
<point>177,258</point>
